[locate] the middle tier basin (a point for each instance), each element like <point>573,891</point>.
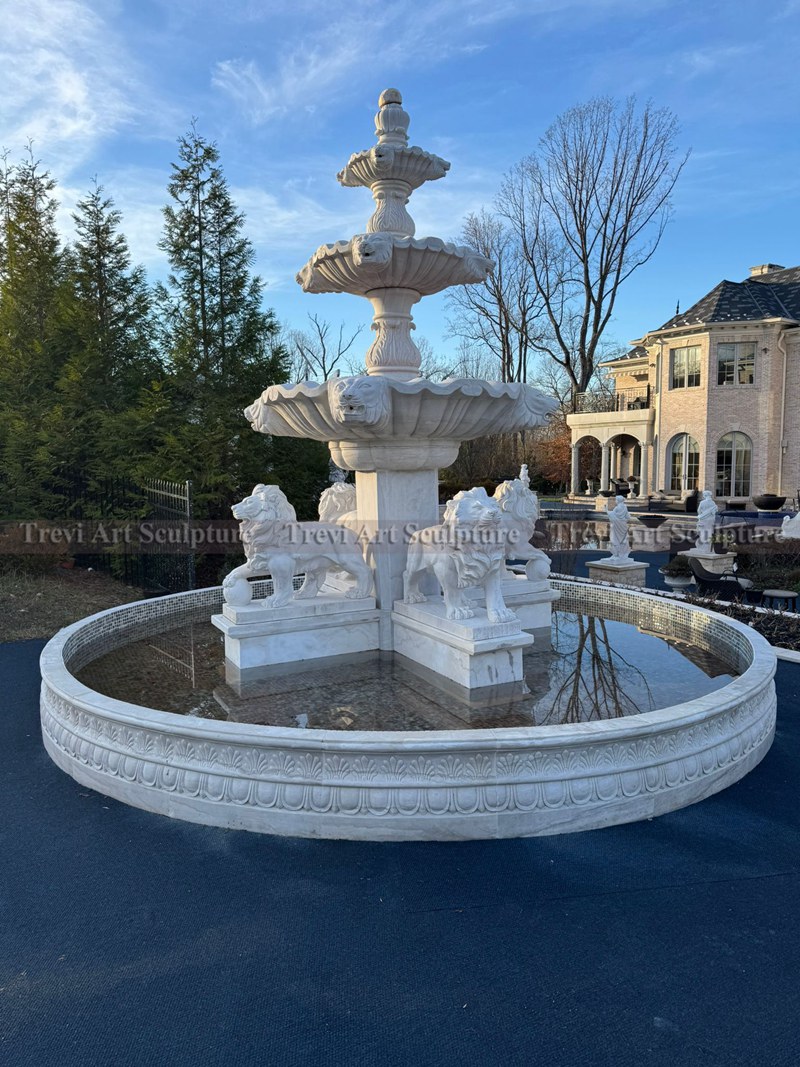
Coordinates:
<point>383,410</point>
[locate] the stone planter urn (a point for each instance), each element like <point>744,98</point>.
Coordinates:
<point>677,581</point>
<point>769,502</point>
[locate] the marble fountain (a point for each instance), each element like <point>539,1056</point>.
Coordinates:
<point>382,574</point>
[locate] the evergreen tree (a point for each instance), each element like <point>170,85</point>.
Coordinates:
<point>108,319</point>
<point>223,346</point>
<point>33,286</point>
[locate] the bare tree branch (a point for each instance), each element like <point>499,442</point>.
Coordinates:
<point>587,210</point>
<point>502,316</point>
<point>317,353</point>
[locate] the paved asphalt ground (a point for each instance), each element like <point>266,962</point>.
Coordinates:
<point>130,939</point>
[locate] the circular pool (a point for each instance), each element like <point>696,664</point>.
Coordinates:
<point>384,784</point>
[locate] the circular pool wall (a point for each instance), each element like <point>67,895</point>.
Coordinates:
<point>510,782</point>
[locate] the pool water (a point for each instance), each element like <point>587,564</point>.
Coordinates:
<point>590,669</point>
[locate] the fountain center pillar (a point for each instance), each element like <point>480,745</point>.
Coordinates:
<point>391,506</point>
<point>393,352</point>
<point>390,215</point>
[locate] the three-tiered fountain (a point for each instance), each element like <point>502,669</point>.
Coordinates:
<point>381,572</point>
<point>395,429</point>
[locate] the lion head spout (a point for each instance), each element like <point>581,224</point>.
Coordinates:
<point>360,400</point>
<point>372,250</point>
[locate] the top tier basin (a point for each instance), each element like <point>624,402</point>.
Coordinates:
<point>391,169</point>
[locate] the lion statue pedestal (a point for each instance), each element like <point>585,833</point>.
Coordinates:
<point>471,652</point>
<point>259,636</point>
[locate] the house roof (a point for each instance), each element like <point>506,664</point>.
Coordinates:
<point>637,352</point>
<point>775,295</point>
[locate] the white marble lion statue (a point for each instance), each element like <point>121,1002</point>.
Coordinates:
<point>275,543</point>
<point>519,511</point>
<point>337,503</point>
<point>467,551</point>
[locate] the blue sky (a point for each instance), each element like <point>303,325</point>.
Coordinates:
<point>288,91</point>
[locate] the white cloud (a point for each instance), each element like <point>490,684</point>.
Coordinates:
<point>357,41</point>
<point>68,83</point>
<point>698,62</point>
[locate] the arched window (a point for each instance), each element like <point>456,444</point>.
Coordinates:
<point>734,461</point>
<point>683,463</point>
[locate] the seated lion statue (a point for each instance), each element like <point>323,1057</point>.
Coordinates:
<point>466,551</point>
<point>275,543</point>
<point>519,508</point>
<point>337,503</point>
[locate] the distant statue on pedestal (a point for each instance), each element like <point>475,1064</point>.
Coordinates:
<point>706,521</point>
<point>618,520</point>
<point>790,528</point>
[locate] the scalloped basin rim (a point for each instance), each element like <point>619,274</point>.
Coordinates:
<point>423,244</point>
<point>413,387</point>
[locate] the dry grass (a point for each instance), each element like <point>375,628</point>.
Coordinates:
<point>37,605</point>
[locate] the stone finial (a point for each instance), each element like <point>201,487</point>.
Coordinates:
<point>391,121</point>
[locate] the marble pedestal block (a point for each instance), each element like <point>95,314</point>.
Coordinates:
<point>625,572</point>
<point>257,635</point>
<point>531,601</point>
<point>470,652</point>
<point>716,562</point>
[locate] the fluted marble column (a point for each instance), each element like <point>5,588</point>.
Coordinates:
<point>575,485</point>
<point>643,470</point>
<point>605,464</point>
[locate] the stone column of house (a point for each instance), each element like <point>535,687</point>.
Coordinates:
<point>575,481</point>
<point>644,474</point>
<point>605,463</point>
<point>613,460</point>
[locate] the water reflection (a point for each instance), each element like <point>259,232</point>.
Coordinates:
<point>589,669</point>
<point>593,680</point>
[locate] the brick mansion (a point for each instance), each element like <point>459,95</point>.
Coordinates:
<point>707,401</point>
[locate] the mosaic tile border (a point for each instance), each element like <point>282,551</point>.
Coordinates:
<point>437,785</point>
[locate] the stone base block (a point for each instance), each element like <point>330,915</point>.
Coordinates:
<point>470,652</point>
<point>257,635</point>
<point>626,572</point>
<point>531,602</point>
<point>716,562</point>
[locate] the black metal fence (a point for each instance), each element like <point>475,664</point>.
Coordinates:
<point>113,506</point>
<point>171,571</point>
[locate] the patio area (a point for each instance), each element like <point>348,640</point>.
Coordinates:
<point>132,939</point>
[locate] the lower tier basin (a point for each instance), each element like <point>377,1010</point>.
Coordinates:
<point>432,763</point>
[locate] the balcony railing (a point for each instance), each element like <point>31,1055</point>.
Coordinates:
<point>636,398</point>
